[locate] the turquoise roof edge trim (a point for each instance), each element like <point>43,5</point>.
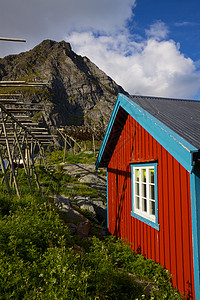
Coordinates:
<point>179,148</point>
<point>107,134</point>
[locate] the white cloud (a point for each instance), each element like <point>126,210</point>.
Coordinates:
<point>152,67</point>
<point>53,19</point>
<point>157,31</point>
<point>97,29</point>
<point>180,24</point>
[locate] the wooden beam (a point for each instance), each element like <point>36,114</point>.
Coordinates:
<point>21,84</point>
<point>12,39</point>
<point>8,99</point>
<point>11,95</point>
<point>14,110</point>
<point>12,81</point>
<point>9,154</point>
<point>21,154</point>
<point>4,173</point>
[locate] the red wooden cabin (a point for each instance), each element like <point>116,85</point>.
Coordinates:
<point>151,151</point>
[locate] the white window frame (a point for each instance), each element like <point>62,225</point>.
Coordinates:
<point>144,194</point>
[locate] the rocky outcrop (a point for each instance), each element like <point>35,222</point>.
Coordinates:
<point>76,222</point>
<point>78,91</point>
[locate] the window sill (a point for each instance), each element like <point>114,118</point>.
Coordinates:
<point>146,221</point>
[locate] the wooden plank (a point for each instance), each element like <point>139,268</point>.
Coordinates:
<point>172,223</point>
<point>14,110</point>
<point>33,168</point>
<point>9,155</point>
<point>10,95</point>
<point>4,173</point>
<point>12,81</point>
<point>179,228</point>
<point>166,172</point>
<point>21,154</point>
<point>161,253</point>
<point>12,39</point>
<point>187,234</point>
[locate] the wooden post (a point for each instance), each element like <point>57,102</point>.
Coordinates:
<point>42,155</point>
<point>93,143</point>
<point>33,167</point>
<point>9,154</point>
<point>21,154</point>
<point>64,155</point>
<point>4,173</point>
<point>31,154</point>
<point>27,149</point>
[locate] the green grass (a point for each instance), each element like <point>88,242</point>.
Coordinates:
<point>39,259</point>
<point>81,157</point>
<point>54,182</point>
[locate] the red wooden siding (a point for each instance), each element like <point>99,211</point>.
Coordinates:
<point>172,244</point>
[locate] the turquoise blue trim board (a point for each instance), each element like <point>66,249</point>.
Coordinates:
<point>179,148</point>
<point>108,130</point>
<point>195,209</point>
<point>107,201</point>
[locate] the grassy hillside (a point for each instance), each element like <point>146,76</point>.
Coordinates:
<point>39,259</point>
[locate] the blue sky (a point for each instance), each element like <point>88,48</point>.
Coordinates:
<point>150,47</point>
<point>181,17</point>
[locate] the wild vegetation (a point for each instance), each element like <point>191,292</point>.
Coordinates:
<point>40,259</point>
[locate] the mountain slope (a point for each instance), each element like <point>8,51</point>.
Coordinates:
<point>80,93</point>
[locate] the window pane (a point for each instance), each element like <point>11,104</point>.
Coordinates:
<point>152,192</point>
<point>144,175</point>
<point>137,189</point>
<point>144,190</point>
<point>137,174</point>
<point>152,207</point>
<point>151,176</point>
<point>137,202</point>
<point>144,204</point>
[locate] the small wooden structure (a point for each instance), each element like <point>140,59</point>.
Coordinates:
<point>152,153</point>
<point>20,137</point>
<point>82,133</point>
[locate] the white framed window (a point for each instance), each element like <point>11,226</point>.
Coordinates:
<point>144,193</point>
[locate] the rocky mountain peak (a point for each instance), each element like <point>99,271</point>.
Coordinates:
<point>80,93</point>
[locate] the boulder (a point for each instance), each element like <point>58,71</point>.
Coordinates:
<point>83,229</point>
<point>76,222</point>
<point>100,209</point>
<point>83,203</point>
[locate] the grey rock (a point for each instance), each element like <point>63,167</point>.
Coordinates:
<point>63,202</point>
<point>87,206</point>
<point>95,206</point>
<point>100,209</point>
<point>83,229</point>
<point>99,203</point>
<point>90,178</point>
<point>101,214</point>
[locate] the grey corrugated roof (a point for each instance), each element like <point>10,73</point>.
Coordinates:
<point>181,116</point>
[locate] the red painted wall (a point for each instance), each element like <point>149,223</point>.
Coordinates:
<point>172,244</point>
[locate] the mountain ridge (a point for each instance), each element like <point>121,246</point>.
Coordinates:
<point>79,92</point>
